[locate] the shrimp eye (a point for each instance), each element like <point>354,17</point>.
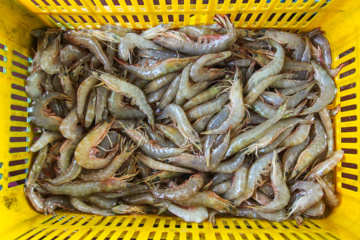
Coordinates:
<point>166,161</point>
<point>65,74</point>
<point>108,120</point>
<point>157,178</point>
<point>127,150</point>
<point>128,186</point>
<point>99,74</point>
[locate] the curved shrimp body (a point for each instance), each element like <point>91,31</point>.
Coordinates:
<point>120,110</point>
<point>178,116</point>
<point>282,193</point>
<point>312,193</point>
<point>44,140</point>
<point>276,142</point>
<point>170,93</point>
<point>40,115</point>
<point>157,95</point>
<point>194,32</point>
<point>87,40</point>
<point>83,207</point>
<point>68,88</point>
<point>201,124</point>
<point>69,127</point>
<point>200,74</point>
<point>295,100</point>
<point>101,103</point>
<point>129,90</point>
<point>82,93</point>
<point>300,134</point>
<point>70,174</point>
<point>160,55</point>
<point>71,54</point>
<point>151,149</point>
<point>239,63</point>
<point>297,89</point>
<point>159,69</point>
<point>244,139</point>
<point>33,84</point>
<point>37,166</point>
<point>324,115</point>
<point>160,165</point>
<point>178,41</point>
<point>236,106</point>
<point>307,51</point>
<point>265,110</point>
<point>327,89</point>
<point>324,167</point>
<point>207,108</point>
<point>317,146</point>
<point>67,150</point>
<point>172,133</point>
<point>162,176</point>
<point>273,98</point>
<point>315,210</point>
<point>136,189</point>
<point>329,196</point>
<point>238,182</point>
<point>231,165</point>
<point>287,83</point>
<point>50,58</point>
<point>156,137</point>
<point>324,45</point>
<point>85,153</point>
<point>55,202</point>
<point>221,188</point>
<point>291,40</point>
<point>271,69</point>
<point>143,198</point>
<point>118,30</point>
<point>102,202</point>
<point>291,156</point>
<point>190,161</point>
<point>159,83</point>
<point>36,200</point>
<point>193,214</point>
<point>184,191</point>
<point>83,188</point>
<point>90,111</point>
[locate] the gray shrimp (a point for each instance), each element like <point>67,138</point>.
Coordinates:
<point>45,139</point>
<point>37,167</point>
<point>157,95</point>
<point>67,150</point>
<point>221,188</point>
<point>200,124</point>
<point>156,137</point>
<point>90,111</point>
<point>160,55</point>
<point>238,181</point>
<point>101,202</point>
<point>50,58</point>
<point>152,163</point>
<point>159,82</point>
<point>299,135</point>
<point>326,121</point>
<point>83,207</point>
<point>69,127</point>
<point>170,93</point>
<point>324,45</point>
<point>33,84</point>
<point>291,155</point>
<point>172,133</point>
<point>70,174</point>
<point>118,109</point>
<point>82,94</point>
<point>102,95</point>
<point>55,202</point>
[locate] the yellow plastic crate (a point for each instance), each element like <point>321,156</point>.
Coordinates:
<point>340,20</point>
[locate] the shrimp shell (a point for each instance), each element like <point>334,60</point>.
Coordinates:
<point>324,167</point>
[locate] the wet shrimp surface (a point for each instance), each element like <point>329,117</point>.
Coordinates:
<point>192,122</point>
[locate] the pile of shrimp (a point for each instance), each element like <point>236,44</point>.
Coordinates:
<point>193,122</point>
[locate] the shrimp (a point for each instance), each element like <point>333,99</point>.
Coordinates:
<point>271,69</point>
<point>90,111</point>
<point>221,188</point>
<point>83,188</point>
<point>55,202</point>
<point>83,207</point>
<point>126,192</point>
<point>50,58</point>
<point>267,189</point>
<point>82,93</point>
<point>300,134</point>
<point>159,69</point>
<point>329,196</point>
<point>207,108</point>
<point>158,138</point>
<point>178,41</point>
<point>177,115</point>
<point>132,209</point>
<point>239,180</point>
<point>170,93</point>
<point>186,190</point>
<point>193,214</point>
<point>120,110</point>
<point>287,83</point>
<point>157,95</point>
<point>128,90</point>
<point>317,146</point>
<point>312,193</point>
<point>239,63</point>
<point>118,30</point>
<point>85,153</point>
<point>244,139</point>
<point>195,32</point>
<point>71,54</point>
<point>152,149</point>
<point>44,140</point>
<point>282,194</point>
<point>324,167</point>
<point>276,142</point>
<point>104,203</point>
<point>36,200</point>
<point>291,156</point>
<point>294,66</point>
<point>69,127</point>
<point>41,116</point>
<point>200,74</point>
<point>87,40</point>
<point>159,83</point>
<point>296,99</point>
<point>327,90</point>
<point>33,84</point>
<point>36,167</point>
<point>236,106</point>
<point>201,124</point>
<point>102,95</point>
<point>143,198</point>
<point>160,55</point>
<point>267,111</point>
<point>307,51</point>
<point>326,121</point>
<point>161,166</point>
<point>315,210</point>
<point>70,174</point>
<point>291,40</point>
<point>172,133</point>
<point>109,171</point>
<point>66,151</point>
<point>274,99</point>
<point>162,176</point>
<point>260,167</point>
<point>231,165</point>
<point>319,41</point>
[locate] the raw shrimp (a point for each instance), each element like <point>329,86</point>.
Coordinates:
<point>85,153</point>
<point>307,51</point>
<point>70,54</point>
<point>36,200</point>
<point>291,156</point>
<point>44,140</point>
<point>143,198</point>
<point>287,83</point>
<point>201,124</point>
<point>36,167</point>
<point>274,99</point>
<point>102,95</point>
<point>41,116</point>
<point>70,174</point>
<point>296,99</point>
<point>104,203</point>
<point>126,192</point>
<point>33,84</point>
<point>326,121</point>
<point>87,40</point>
<point>267,111</point>
<point>294,66</point>
<point>118,109</point>
<point>186,190</point>
<point>221,188</point>
<point>55,202</point>
<point>159,83</point>
<point>162,176</point>
<point>83,188</point>
<point>90,111</point>
<point>157,95</point>
<point>316,147</point>
<point>319,41</point>
<point>69,127</point>
<point>128,90</point>
<point>276,142</point>
<point>83,207</point>
<point>50,58</point>
<point>133,209</point>
<point>238,181</point>
<point>172,133</point>
<point>160,55</point>
<point>315,210</point>
<point>195,32</point>
<point>282,194</point>
<point>324,167</point>
<point>200,74</point>
<point>156,137</point>
<point>239,63</point>
<point>231,165</point>
<point>170,93</point>
<point>178,41</point>
<point>177,115</point>
<point>329,195</point>
<point>300,134</point>
<point>193,214</point>
<point>271,69</point>
<point>159,69</point>
<point>294,90</point>
<point>82,93</point>
<point>67,150</point>
<point>312,193</point>
<point>236,106</point>
<point>118,30</point>
<point>160,165</point>
<point>244,139</point>
<point>327,89</point>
